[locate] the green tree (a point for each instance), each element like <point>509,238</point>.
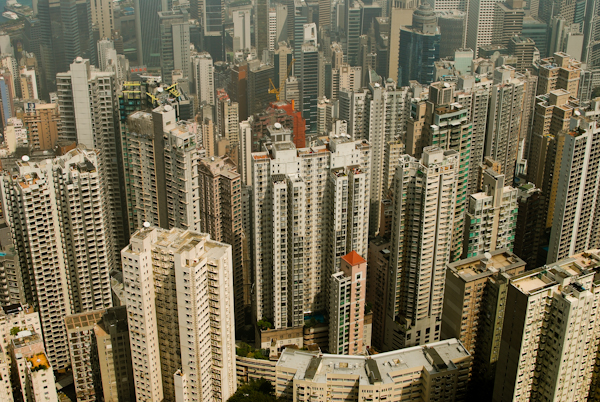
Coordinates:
<point>255,391</point>
<point>264,325</point>
<point>14,331</point>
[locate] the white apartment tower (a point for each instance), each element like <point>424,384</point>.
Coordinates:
<point>58,212</point>
<point>272,29</point>
<point>576,209</point>
<point>241,29</point>
<point>422,228</point>
<point>550,339</point>
<point>504,120</point>
<point>179,292</point>
<point>491,217</point>
<point>89,111</point>
<point>310,208</point>
<point>204,78</point>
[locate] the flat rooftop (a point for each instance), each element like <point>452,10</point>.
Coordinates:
<point>83,321</point>
<point>480,266</point>
<point>38,360</point>
<point>434,357</point>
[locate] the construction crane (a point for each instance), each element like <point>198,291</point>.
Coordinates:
<point>273,89</point>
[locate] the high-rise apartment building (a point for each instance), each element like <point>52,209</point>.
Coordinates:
<point>504,120</point>
<point>91,118</point>
<point>73,235</point>
<point>559,72</point>
<point>164,171</point>
<point>447,126</point>
<point>491,217</point>
<point>204,78</point>
<point>474,309</point>
<point>549,342</point>
<point>424,204</point>
<point>347,294</point>
<point>44,125</point>
<point>327,185</point>
<point>220,204</point>
<point>179,291</point>
<point>578,177</point>
<point>531,222</point>
<point>174,44</point>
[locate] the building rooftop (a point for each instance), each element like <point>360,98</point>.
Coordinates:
<point>353,258</point>
<point>319,368</point>
<point>39,360</point>
<point>487,264</point>
<point>82,321</point>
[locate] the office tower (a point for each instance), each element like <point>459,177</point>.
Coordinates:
<point>549,343</point>
<point>241,30</point>
<point>575,212</point>
<point>419,47</point>
<point>559,72</point>
<point>297,17</point>
<point>282,62</point>
<point>102,17</point>
<point>309,76</point>
<point>333,177</point>
<point>504,120</point>
<point>273,37</point>
<point>345,78</point>
<point>401,14</point>
<point>441,369</point>
<point>7,99</point>
<point>91,118</point>
<point>38,33</point>
<point>447,126</point>
<point>187,329</point>
<point>523,49</point>
<point>163,172</point>
<point>353,31</point>
<point>147,32</point>
<point>452,30</point>
<point>221,217</point>
<point>347,306</point>
<point>531,220</point>
<point>78,243</point>
<point>258,95</point>
<point>204,78</point>
<point>424,203</point>
<point>480,24</point>
<point>44,125</point>
<point>324,13</point>
<point>538,31</point>
<point>507,21</point>
<point>474,310</point>
<point>174,44</point>
<point>491,217</point>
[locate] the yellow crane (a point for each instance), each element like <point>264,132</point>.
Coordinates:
<point>273,89</point>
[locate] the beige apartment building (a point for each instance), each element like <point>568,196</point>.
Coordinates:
<point>435,372</point>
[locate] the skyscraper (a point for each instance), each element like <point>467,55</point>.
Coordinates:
<point>480,24</point>
<point>204,78</point>
<point>508,21</point>
<point>147,27</point>
<point>174,44</point>
<point>73,234</point>
<point>220,207</point>
<point>575,211</point>
<point>491,218</point>
<point>424,203</point>
<point>504,120</point>
<point>187,328</point>
<point>309,75</point>
<point>294,260</point>
<point>419,47</point>
<point>262,26</point>
<point>90,117</point>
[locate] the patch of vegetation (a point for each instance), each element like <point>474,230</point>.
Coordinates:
<point>261,390</point>
<point>15,330</point>
<point>245,350</point>
<point>264,325</point>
